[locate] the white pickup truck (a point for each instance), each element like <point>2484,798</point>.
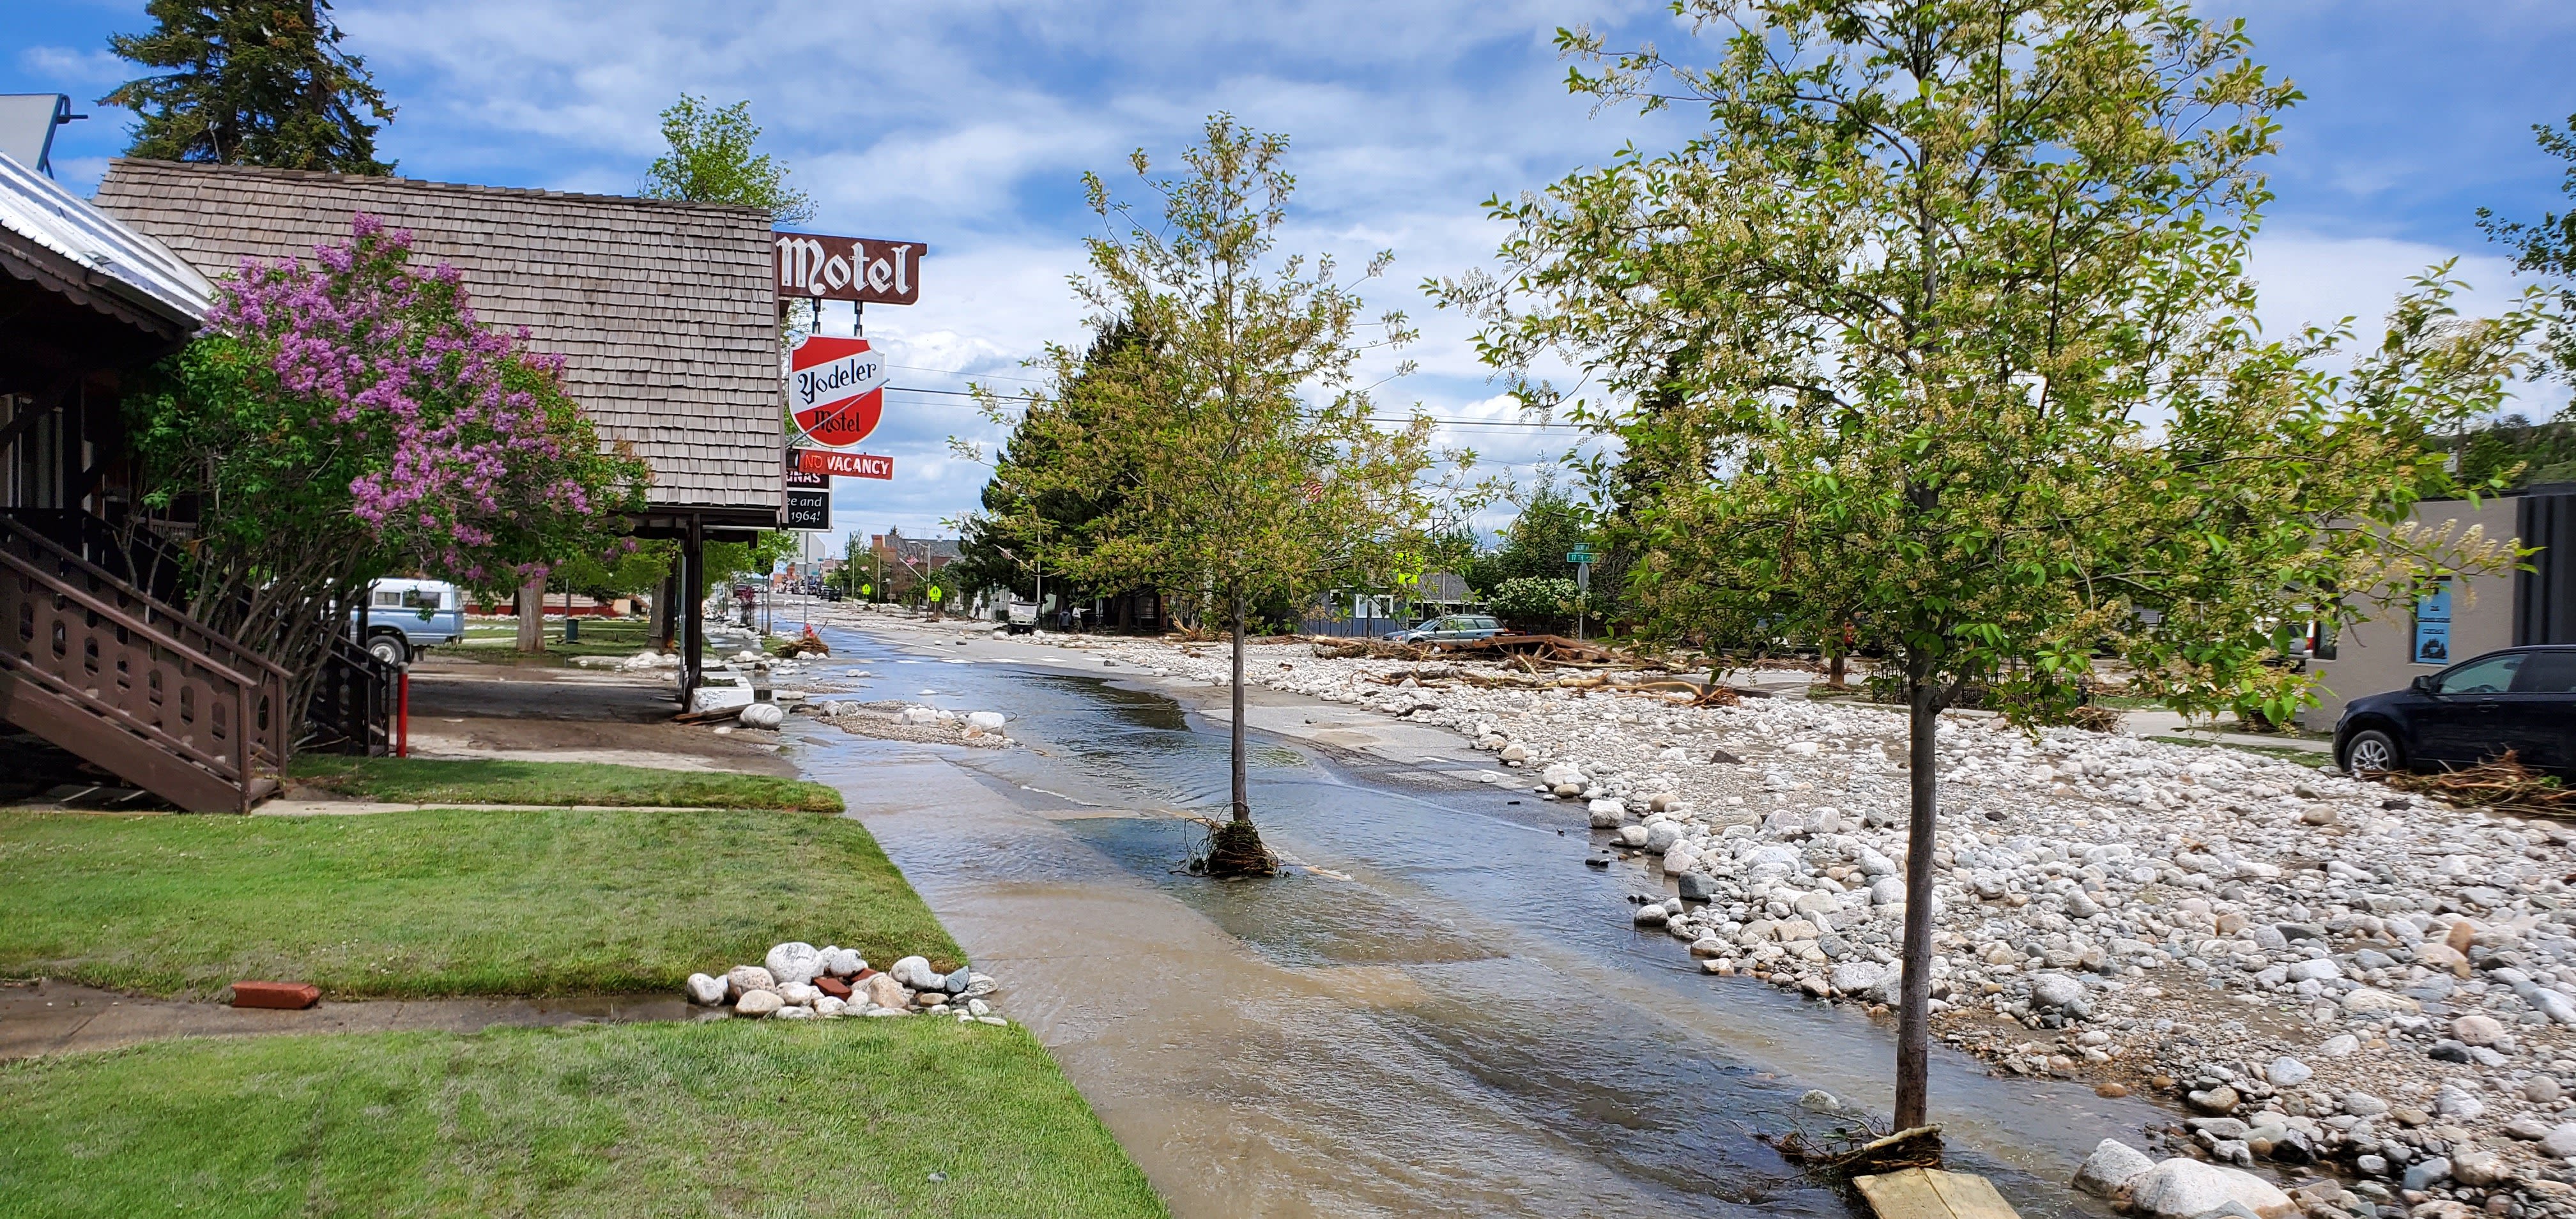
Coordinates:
<point>1024,618</point>
<point>404,616</point>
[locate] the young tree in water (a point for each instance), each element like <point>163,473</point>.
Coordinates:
<point>1244,461</point>
<point>1946,309</point>
<point>250,82</point>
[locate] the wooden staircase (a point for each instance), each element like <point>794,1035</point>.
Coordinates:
<point>104,669</point>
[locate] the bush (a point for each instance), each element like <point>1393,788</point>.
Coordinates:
<point>1534,600</point>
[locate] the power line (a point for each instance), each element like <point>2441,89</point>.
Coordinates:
<point>967,376</point>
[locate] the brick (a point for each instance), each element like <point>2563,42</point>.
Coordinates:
<point>834,987</point>
<point>284,996</point>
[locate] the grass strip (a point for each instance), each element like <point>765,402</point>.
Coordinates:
<point>736,1117</point>
<point>480,781</point>
<point>442,902</point>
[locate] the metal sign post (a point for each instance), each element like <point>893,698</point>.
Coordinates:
<point>1581,557</point>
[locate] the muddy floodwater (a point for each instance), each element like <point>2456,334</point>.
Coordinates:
<point>1440,1010</point>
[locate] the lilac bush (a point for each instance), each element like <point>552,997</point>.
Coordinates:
<point>347,418</point>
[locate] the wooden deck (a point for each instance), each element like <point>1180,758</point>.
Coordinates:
<point>1929,1193</point>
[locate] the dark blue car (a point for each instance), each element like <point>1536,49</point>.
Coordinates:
<point>2521,699</point>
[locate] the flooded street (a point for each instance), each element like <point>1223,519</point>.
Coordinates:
<point>1441,1009</point>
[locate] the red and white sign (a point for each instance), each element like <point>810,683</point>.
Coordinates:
<point>824,462</point>
<point>836,389</point>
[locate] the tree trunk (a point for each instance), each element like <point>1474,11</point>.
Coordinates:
<point>1242,784</point>
<point>1234,847</point>
<point>666,598</point>
<point>1834,669</point>
<point>532,615</point>
<point>1914,1011</point>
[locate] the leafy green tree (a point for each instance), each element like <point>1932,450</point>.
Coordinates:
<point>1542,601</point>
<point>1551,523</point>
<point>2516,452</point>
<point>712,160</point>
<point>1246,460</point>
<point>2515,447</point>
<point>250,82</point>
<point>752,560</point>
<point>1946,307</point>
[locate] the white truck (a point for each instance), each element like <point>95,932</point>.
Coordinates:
<point>1023,619</point>
<point>404,616</point>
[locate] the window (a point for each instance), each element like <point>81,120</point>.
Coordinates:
<point>2493,675</point>
<point>388,598</point>
<point>2546,673</point>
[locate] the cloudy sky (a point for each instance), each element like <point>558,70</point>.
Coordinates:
<point>967,124</point>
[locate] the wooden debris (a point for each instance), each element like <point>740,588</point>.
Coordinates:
<point>1846,1155</point>
<point>1930,1193</point>
<point>1550,649</point>
<point>808,644</point>
<point>2504,783</point>
<point>1368,649</point>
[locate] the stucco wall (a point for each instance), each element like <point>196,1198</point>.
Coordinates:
<point>2373,656</point>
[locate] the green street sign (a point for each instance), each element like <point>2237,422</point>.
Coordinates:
<point>1578,556</point>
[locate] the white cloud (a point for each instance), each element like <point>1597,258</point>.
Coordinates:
<point>69,66</point>
<point>2311,279</point>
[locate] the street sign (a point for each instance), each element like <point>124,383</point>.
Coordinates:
<point>858,269</point>
<point>823,463</point>
<point>836,389</point>
<point>1580,555</point>
<point>809,511</point>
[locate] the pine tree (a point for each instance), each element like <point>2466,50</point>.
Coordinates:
<point>251,82</point>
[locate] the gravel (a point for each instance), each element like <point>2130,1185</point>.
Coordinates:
<point>2315,952</point>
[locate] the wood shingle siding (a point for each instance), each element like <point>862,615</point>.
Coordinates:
<point>665,312</point>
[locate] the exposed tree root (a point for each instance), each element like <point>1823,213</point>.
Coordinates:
<point>1234,848</point>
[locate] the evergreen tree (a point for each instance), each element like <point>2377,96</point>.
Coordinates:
<point>1004,543</point>
<point>711,161</point>
<point>250,82</point>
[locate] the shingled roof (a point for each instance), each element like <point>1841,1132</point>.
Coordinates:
<point>664,312</point>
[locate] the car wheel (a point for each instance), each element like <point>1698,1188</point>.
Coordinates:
<point>389,649</point>
<point>2371,749</point>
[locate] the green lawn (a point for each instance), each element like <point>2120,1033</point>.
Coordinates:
<point>831,1118</point>
<point>432,781</point>
<point>497,642</point>
<point>442,902</point>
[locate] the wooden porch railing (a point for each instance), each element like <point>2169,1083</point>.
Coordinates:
<point>129,682</point>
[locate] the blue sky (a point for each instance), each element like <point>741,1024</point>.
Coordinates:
<point>968,124</point>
